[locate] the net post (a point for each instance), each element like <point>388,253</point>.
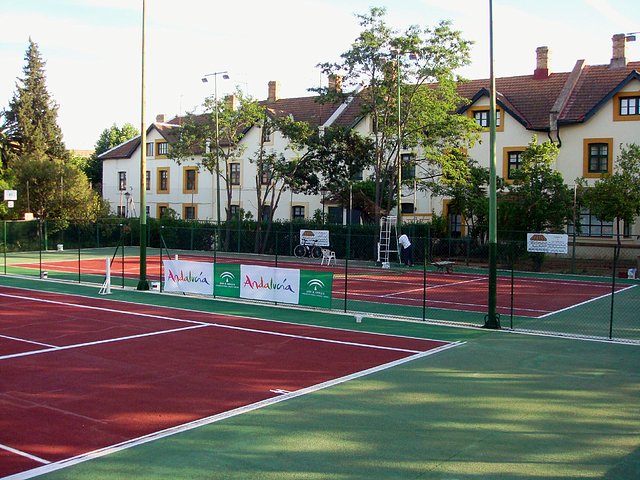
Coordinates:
<point>106,286</point>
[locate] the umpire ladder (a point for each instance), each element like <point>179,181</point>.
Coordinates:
<point>386,246</point>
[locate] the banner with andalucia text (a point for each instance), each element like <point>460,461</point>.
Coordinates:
<point>282,285</point>
<point>188,277</point>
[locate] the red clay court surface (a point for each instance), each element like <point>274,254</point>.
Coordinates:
<point>533,297</point>
<point>81,376</point>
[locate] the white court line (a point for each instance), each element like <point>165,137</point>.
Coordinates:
<point>27,341</point>
<point>586,301</point>
<point>431,287</point>
<point>51,467</point>
<point>99,342</point>
<point>197,324</point>
<point>24,454</point>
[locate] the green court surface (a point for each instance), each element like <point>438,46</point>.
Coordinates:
<point>502,405</point>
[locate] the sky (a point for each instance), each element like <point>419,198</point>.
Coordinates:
<point>92,48</point>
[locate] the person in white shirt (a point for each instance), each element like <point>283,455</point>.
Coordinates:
<point>406,255</point>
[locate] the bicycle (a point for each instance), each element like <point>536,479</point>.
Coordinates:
<point>307,249</point>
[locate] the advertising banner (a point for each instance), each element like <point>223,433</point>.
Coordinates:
<point>314,237</point>
<point>547,242</point>
<point>270,283</point>
<point>188,277</point>
<point>283,285</point>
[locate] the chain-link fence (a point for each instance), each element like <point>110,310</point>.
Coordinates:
<point>590,290</point>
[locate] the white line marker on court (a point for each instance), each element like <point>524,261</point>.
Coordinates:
<point>218,417</point>
<point>24,454</point>
<point>27,341</point>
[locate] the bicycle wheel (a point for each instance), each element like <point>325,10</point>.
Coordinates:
<point>316,252</point>
<point>300,251</point>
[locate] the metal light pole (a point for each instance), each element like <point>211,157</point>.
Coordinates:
<point>323,190</point>
<point>217,144</point>
<point>143,284</point>
<point>398,157</point>
<point>492,319</point>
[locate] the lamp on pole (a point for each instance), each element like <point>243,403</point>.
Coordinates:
<point>399,133</point>
<point>323,191</point>
<point>225,75</point>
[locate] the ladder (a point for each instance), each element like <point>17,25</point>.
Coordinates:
<point>388,242</point>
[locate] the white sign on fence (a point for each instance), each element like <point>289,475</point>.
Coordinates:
<point>547,242</point>
<point>270,283</point>
<point>11,195</point>
<point>314,237</point>
<point>188,277</point>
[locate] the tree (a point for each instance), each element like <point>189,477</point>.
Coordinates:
<point>109,138</point>
<point>31,120</point>
<point>469,199</point>
<point>235,115</point>
<point>538,199</point>
<point>410,74</point>
<point>54,189</point>
<point>617,196</point>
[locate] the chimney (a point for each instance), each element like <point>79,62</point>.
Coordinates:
<point>618,58</point>
<point>274,91</point>
<point>160,118</point>
<point>232,102</point>
<point>335,83</point>
<point>542,63</point>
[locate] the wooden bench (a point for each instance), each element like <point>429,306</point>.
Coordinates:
<point>444,266</point>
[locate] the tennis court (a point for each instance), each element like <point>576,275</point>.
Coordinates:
<point>84,376</point>
<point>151,386</point>
<point>536,297</point>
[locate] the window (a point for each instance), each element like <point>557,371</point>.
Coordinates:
<point>163,149</point>
<point>357,177</point>
<point>297,212</point>
<point>234,210</point>
<point>629,106</point>
<point>147,209</point>
<point>163,209</point>
<point>626,107</point>
<point>234,173</point>
<point>163,180</point>
<point>407,161</point>
<point>407,207</point>
<point>454,221</point>
<point>264,178</point>
<point>590,226</point>
<point>122,181</point>
<point>147,180</point>
<point>266,212</point>
<point>512,161</point>
<point>121,211</point>
<point>597,157</point>
<point>189,212</point>
<point>481,116</point>
<point>267,134</point>
<point>149,149</point>
<point>190,179</point>
<point>335,215</point>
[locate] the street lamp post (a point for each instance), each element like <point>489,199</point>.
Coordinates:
<point>225,76</point>
<point>399,133</point>
<point>127,197</point>
<point>323,190</point>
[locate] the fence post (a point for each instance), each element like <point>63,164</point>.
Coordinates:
<point>346,265</point>
<point>424,281</point>
<point>4,244</point>
<point>613,289</point>
<point>79,252</point>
